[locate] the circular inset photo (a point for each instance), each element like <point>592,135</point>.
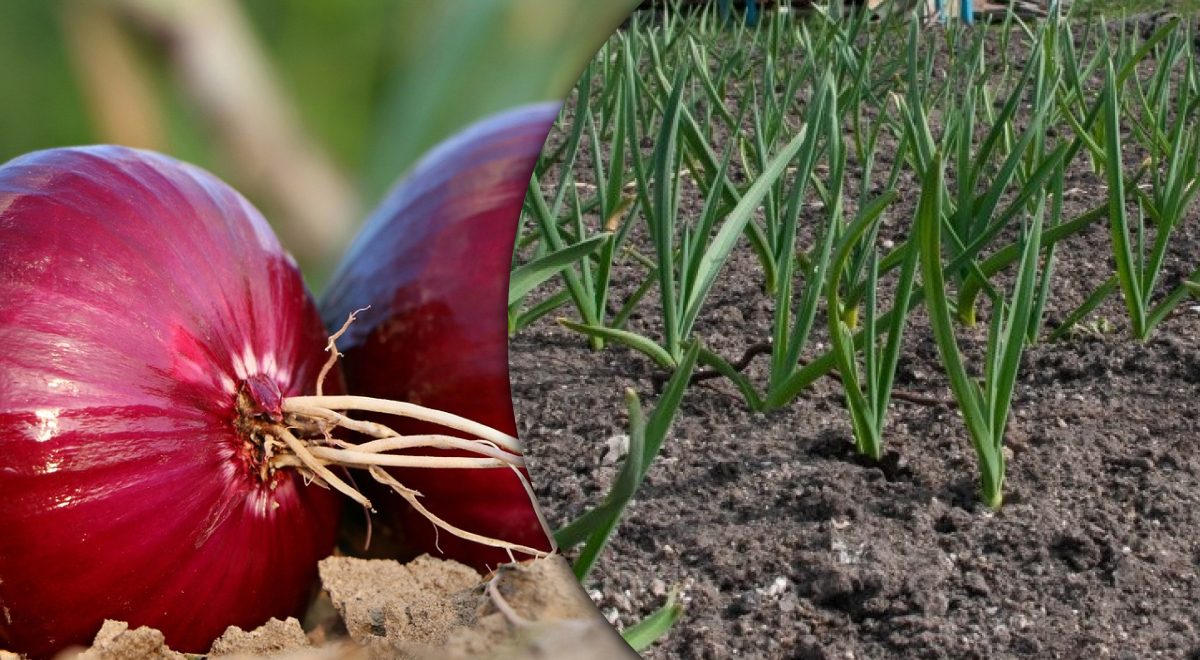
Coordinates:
<point>228,436</point>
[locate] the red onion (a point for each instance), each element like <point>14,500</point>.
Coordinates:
<point>157,437</point>
<point>432,263</point>
<point>138,297</point>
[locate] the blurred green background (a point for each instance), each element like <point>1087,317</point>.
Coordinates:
<point>310,108</point>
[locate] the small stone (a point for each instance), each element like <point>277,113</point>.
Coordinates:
<point>778,586</point>
<point>271,637</point>
<point>621,600</point>
<point>975,584</point>
<point>616,448</point>
<point>116,640</point>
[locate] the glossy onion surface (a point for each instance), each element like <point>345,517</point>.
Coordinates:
<point>433,264</point>
<point>136,295</point>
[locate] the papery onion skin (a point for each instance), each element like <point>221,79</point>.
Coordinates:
<point>135,293</point>
<point>432,262</point>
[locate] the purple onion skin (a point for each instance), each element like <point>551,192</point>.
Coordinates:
<point>136,292</point>
<point>432,262</point>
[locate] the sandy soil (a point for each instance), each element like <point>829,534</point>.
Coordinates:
<point>426,609</point>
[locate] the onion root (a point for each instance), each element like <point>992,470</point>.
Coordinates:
<point>304,440</point>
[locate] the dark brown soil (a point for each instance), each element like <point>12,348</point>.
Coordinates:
<point>787,545</point>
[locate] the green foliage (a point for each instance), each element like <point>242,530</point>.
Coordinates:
<point>767,141</point>
<point>644,633</point>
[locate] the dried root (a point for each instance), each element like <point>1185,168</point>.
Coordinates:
<point>306,440</point>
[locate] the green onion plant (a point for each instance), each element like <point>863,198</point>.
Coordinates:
<point>985,403</point>
<point>1174,185</point>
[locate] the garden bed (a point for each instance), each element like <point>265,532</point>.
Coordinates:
<point>786,543</point>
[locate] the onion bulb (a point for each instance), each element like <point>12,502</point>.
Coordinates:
<point>147,315</point>
<point>432,264</point>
